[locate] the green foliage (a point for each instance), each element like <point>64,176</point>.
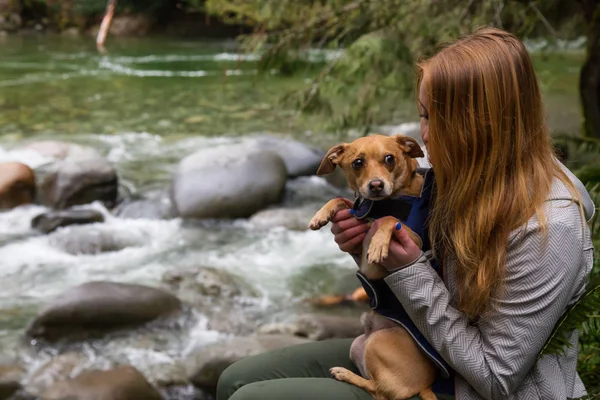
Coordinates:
<point>381,41</point>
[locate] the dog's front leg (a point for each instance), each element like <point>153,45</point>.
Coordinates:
<point>324,215</point>
<point>345,375</point>
<point>380,244</point>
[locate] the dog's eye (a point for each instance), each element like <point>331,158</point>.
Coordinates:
<point>389,159</point>
<point>356,164</point>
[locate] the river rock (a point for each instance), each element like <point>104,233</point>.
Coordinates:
<point>323,326</point>
<point>72,183</point>
<point>287,217</point>
<point>207,282</point>
<point>317,327</point>
<point>206,365</point>
<point>227,182</point>
<point>121,383</point>
<point>97,307</point>
<point>52,220</point>
<point>94,239</point>
<point>299,158</point>
<point>17,185</point>
<point>10,378</point>
<point>80,175</point>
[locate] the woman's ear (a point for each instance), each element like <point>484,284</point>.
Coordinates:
<point>331,159</point>
<point>409,146</point>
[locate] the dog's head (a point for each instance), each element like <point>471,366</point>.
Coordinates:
<point>375,166</point>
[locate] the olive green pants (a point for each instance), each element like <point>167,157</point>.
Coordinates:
<point>298,372</point>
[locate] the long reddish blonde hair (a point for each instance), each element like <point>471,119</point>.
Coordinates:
<point>492,155</point>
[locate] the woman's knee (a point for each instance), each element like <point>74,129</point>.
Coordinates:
<point>231,379</point>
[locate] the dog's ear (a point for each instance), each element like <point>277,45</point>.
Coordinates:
<point>409,146</point>
<point>331,159</point>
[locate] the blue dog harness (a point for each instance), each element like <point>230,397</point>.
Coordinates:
<point>413,212</point>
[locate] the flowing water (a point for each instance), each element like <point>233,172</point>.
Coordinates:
<point>145,105</point>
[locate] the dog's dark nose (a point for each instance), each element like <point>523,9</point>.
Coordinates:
<point>376,186</point>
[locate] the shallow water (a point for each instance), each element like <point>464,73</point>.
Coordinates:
<point>146,105</point>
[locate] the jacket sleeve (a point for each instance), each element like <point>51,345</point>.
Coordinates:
<point>495,354</point>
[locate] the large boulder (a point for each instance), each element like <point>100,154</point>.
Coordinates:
<point>227,182</point>
<point>10,378</point>
<point>97,307</point>
<point>206,365</point>
<point>78,176</point>
<point>52,220</point>
<point>17,185</point>
<point>121,383</point>
<point>300,159</point>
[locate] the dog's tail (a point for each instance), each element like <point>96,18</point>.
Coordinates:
<point>427,394</point>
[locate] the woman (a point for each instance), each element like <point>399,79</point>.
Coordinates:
<point>509,223</point>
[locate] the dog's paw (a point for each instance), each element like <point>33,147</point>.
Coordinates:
<point>318,221</point>
<point>340,373</point>
<point>376,254</point>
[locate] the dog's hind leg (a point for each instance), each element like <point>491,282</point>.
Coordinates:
<point>344,375</point>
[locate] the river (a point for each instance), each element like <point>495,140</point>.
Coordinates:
<point>145,105</point>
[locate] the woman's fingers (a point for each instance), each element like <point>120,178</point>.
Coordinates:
<point>353,245</point>
<point>350,233</point>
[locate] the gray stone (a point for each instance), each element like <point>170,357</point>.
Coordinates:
<point>206,365</point>
<point>227,182</point>
<point>94,239</point>
<point>77,182</point>
<point>287,217</point>
<point>121,383</point>
<point>300,159</point>
<point>98,307</point>
<point>79,175</point>
<point>52,220</point>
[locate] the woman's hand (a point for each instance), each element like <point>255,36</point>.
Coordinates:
<point>348,231</point>
<point>403,251</point>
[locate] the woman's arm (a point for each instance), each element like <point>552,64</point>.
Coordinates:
<point>495,355</point>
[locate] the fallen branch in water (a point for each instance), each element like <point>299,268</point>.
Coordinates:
<point>105,26</point>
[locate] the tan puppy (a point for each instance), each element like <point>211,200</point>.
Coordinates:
<point>378,167</point>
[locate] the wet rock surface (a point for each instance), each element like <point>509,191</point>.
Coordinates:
<point>52,220</point>
<point>101,306</point>
<point>227,182</point>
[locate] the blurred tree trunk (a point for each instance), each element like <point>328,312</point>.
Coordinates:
<point>589,79</point>
<point>105,26</point>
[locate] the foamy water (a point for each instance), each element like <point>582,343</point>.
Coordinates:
<point>36,267</point>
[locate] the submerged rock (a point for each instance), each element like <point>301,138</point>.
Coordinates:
<point>71,183</point>
<point>17,185</point>
<point>94,240</point>
<point>287,217</point>
<point>206,365</point>
<point>52,220</point>
<point>299,158</point>
<point>79,175</point>
<point>98,307</point>
<point>10,380</point>
<point>121,383</point>
<point>207,282</point>
<point>227,182</point>
<point>317,327</point>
